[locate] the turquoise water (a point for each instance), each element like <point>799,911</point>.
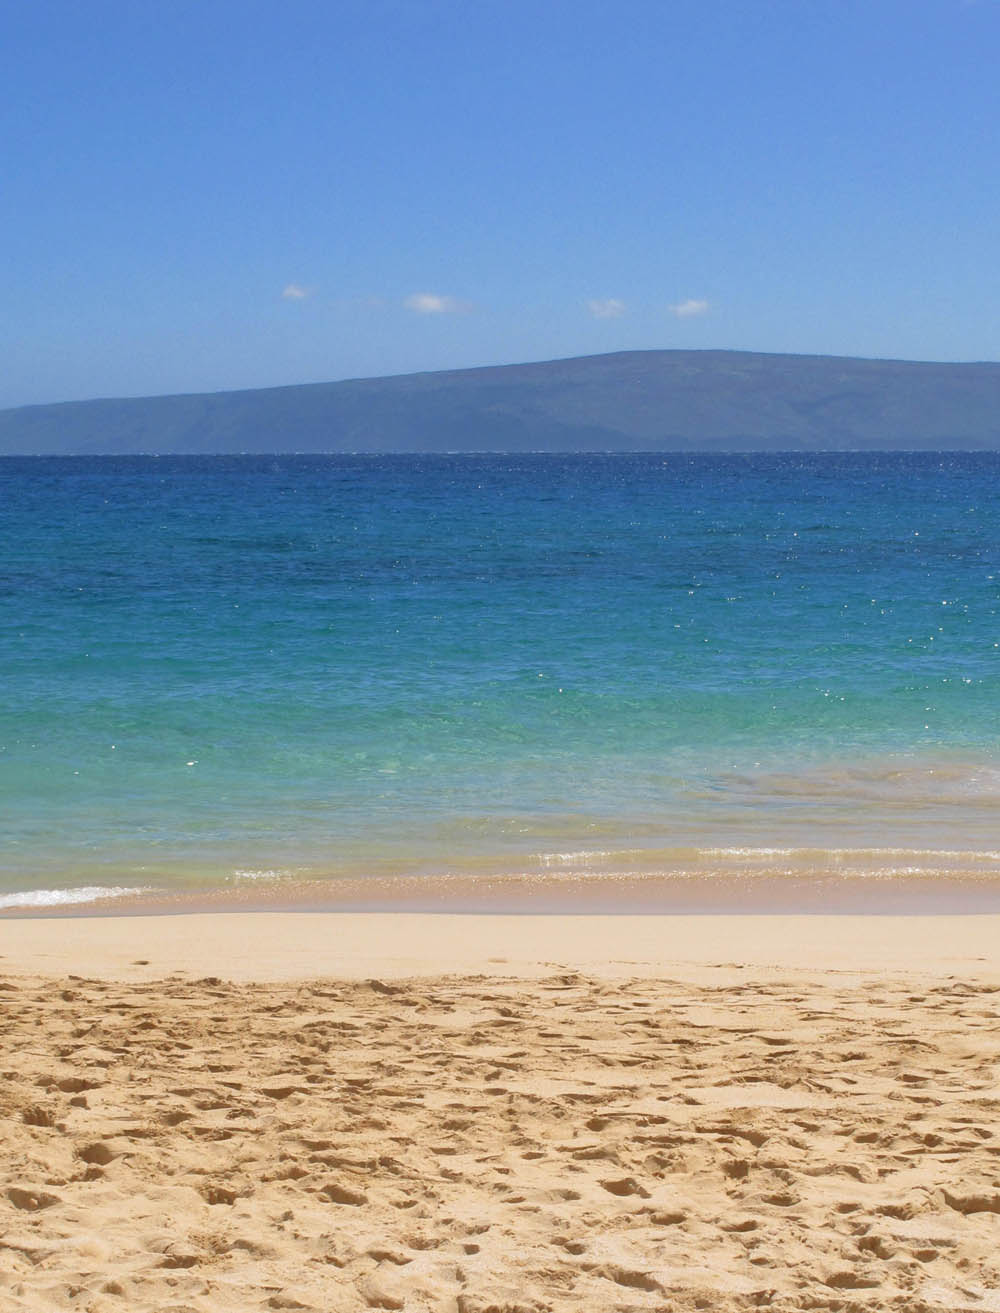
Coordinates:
<point>284,678</point>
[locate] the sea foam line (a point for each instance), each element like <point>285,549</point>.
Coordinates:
<point>239,875</point>
<point>986,855</point>
<point>64,897</point>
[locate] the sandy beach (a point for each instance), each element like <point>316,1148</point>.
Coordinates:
<point>339,1112</point>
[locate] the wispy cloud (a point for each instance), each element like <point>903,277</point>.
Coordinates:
<point>609,308</point>
<point>296,292</point>
<point>688,309</point>
<point>431,303</point>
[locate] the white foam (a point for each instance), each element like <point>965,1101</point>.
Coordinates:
<point>750,852</point>
<point>64,897</point>
<point>838,854</point>
<point>583,855</point>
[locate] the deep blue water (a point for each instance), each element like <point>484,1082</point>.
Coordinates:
<point>240,669</point>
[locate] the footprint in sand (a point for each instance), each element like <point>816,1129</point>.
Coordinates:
<point>31,1201</point>
<point>624,1186</point>
<point>98,1155</point>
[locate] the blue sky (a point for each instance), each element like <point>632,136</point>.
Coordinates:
<point>218,194</point>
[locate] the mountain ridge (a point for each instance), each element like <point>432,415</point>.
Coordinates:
<point>710,400</point>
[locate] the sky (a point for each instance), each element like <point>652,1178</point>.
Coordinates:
<point>198,195</point>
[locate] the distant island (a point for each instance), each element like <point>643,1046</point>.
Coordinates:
<point>628,401</point>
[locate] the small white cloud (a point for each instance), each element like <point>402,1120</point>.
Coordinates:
<point>429,303</point>
<point>295,292</point>
<point>688,309</point>
<point>610,308</point>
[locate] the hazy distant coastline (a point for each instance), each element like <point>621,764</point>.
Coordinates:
<point>627,401</point>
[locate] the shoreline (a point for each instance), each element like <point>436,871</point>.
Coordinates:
<point>895,889</point>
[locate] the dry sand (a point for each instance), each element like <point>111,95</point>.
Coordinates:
<point>497,1113</point>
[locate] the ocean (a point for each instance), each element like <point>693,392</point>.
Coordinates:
<point>605,682</point>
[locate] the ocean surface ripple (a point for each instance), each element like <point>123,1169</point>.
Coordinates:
<point>243,677</point>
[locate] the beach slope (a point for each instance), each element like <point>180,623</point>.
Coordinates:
<point>205,1114</point>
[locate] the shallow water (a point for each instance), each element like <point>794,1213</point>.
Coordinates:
<point>280,679</point>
